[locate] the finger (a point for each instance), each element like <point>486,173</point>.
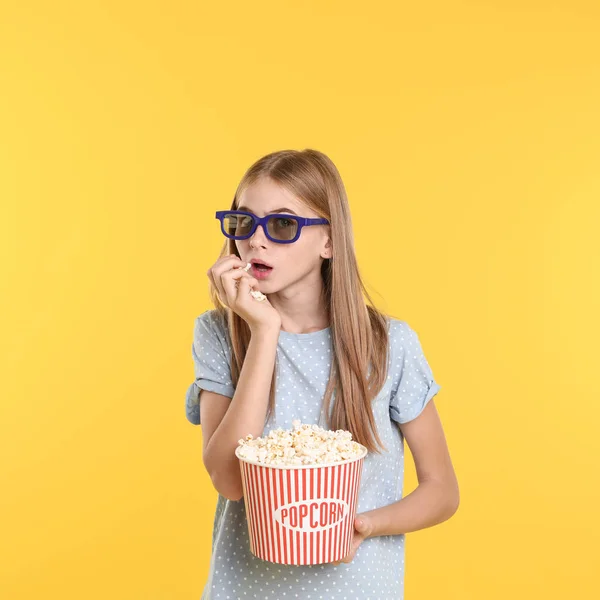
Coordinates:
<point>245,288</point>
<point>242,287</point>
<point>344,559</point>
<point>250,284</point>
<point>232,279</point>
<point>235,274</point>
<point>349,558</point>
<point>223,265</point>
<point>234,285</point>
<point>253,287</point>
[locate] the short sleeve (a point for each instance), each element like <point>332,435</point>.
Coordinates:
<point>413,384</point>
<point>210,353</point>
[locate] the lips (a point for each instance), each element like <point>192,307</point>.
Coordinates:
<point>261,263</point>
<point>259,272</point>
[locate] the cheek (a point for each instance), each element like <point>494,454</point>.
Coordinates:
<point>298,261</point>
<point>305,249</point>
<point>298,254</point>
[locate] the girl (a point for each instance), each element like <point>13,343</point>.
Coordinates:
<point>314,351</point>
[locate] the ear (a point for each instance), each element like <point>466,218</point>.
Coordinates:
<point>327,250</point>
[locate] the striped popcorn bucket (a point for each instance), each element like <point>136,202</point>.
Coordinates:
<point>301,514</point>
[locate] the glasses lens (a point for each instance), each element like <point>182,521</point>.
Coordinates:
<point>237,225</point>
<point>282,228</point>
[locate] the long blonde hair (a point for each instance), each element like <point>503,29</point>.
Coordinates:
<point>358,330</point>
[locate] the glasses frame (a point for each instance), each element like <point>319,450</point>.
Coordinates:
<point>302,222</point>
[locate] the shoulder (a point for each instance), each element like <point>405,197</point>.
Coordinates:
<point>210,318</point>
<point>211,323</point>
<point>404,342</point>
<point>400,332</point>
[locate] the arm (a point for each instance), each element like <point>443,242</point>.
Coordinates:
<point>436,498</point>
<point>246,414</point>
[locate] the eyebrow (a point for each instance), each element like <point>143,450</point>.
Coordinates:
<point>283,209</point>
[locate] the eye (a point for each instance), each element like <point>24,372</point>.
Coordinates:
<point>282,222</point>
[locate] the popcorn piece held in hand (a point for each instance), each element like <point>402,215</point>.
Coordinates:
<point>258,295</point>
<point>302,445</point>
<point>254,293</point>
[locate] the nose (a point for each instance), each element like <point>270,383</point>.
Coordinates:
<point>259,238</point>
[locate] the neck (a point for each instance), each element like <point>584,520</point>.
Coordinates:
<point>302,305</point>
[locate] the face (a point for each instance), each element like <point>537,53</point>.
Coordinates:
<point>290,262</point>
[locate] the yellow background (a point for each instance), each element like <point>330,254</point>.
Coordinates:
<point>472,127</point>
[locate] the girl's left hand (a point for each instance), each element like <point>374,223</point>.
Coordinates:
<point>363,528</point>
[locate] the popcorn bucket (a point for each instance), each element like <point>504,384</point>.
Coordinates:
<point>301,514</point>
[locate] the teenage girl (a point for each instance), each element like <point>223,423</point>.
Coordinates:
<point>314,350</point>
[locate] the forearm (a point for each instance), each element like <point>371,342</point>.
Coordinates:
<point>432,502</point>
<point>245,415</point>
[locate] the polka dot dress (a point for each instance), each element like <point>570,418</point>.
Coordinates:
<point>304,360</point>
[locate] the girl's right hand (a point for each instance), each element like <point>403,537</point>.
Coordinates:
<point>233,285</point>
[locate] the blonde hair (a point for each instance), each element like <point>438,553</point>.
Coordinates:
<point>359,331</point>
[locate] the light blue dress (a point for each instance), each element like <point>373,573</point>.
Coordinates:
<point>304,359</point>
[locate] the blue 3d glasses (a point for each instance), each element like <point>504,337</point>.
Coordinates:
<point>279,227</point>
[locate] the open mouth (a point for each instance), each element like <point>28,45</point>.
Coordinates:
<point>261,271</point>
<point>261,267</point>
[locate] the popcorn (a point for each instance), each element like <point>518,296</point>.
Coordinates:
<point>254,293</point>
<point>302,445</point>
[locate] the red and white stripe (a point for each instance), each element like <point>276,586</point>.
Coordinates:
<point>301,515</point>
